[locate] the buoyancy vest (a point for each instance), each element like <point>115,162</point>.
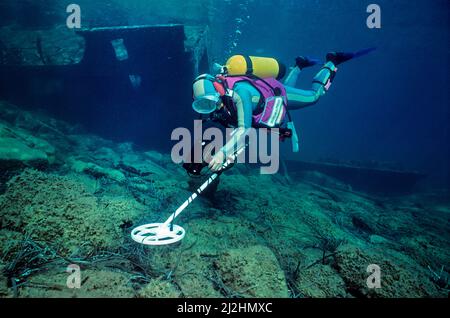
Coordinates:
<point>272,106</point>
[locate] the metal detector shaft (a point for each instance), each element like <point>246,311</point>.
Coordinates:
<point>200,189</point>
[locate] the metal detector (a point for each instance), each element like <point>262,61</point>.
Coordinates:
<point>167,232</point>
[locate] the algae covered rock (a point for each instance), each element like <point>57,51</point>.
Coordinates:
<point>377,239</point>
<point>10,243</point>
<point>323,180</point>
<point>159,288</point>
<point>320,281</point>
<point>94,284</point>
<point>5,292</point>
<point>97,171</point>
<point>19,148</point>
<point>398,278</point>
<point>15,154</point>
<point>252,272</point>
<point>197,286</point>
<point>122,210</point>
<point>142,165</point>
<point>58,211</point>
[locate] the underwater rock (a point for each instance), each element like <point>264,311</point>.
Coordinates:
<point>377,239</point>
<point>94,284</point>
<point>9,112</point>
<point>10,244</point>
<point>398,278</point>
<point>252,272</point>
<point>159,288</point>
<point>170,191</point>
<point>5,292</point>
<point>122,210</point>
<point>139,186</point>
<point>42,145</point>
<point>240,192</point>
<point>426,251</point>
<point>323,180</point>
<point>142,166</point>
<point>39,124</point>
<point>58,211</point>
<point>197,286</point>
<point>217,232</point>
<point>105,155</point>
<point>361,225</point>
<point>20,148</point>
<point>320,281</point>
<point>91,145</point>
<point>16,154</point>
<point>73,213</point>
<point>96,171</point>
<point>154,155</point>
<point>186,268</point>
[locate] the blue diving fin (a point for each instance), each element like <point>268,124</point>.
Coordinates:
<point>341,57</point>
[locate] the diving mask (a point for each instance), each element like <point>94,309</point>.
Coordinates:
<point>206,104</point>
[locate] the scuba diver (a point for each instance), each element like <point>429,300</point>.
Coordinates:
<point>247,93</point>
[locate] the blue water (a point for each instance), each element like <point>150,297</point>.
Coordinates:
<point>392,105</point>
<point>389,106</point>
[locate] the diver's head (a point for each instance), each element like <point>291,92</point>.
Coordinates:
<point>207,91</point>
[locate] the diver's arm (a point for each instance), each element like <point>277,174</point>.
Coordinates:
<point>243,101</point>
<point>244,107</point>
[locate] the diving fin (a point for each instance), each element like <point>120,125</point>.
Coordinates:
<point>303,62</point>
<point>364,52</point>
<point>340,57</point>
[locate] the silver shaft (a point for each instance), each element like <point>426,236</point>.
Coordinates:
<point>200,190</point>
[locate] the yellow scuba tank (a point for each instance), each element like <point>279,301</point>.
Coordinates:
<point>263,67</point>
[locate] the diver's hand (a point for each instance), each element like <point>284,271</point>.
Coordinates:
<point>217,161</point>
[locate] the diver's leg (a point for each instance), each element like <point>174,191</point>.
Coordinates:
<point>299,98</point>
<point>301,62</point>
<point>209,192</point>
<point>291,79</point>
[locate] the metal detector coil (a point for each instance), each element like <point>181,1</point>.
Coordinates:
<point>157,234</point>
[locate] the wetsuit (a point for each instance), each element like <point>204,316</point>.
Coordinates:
<point>246,98</point>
